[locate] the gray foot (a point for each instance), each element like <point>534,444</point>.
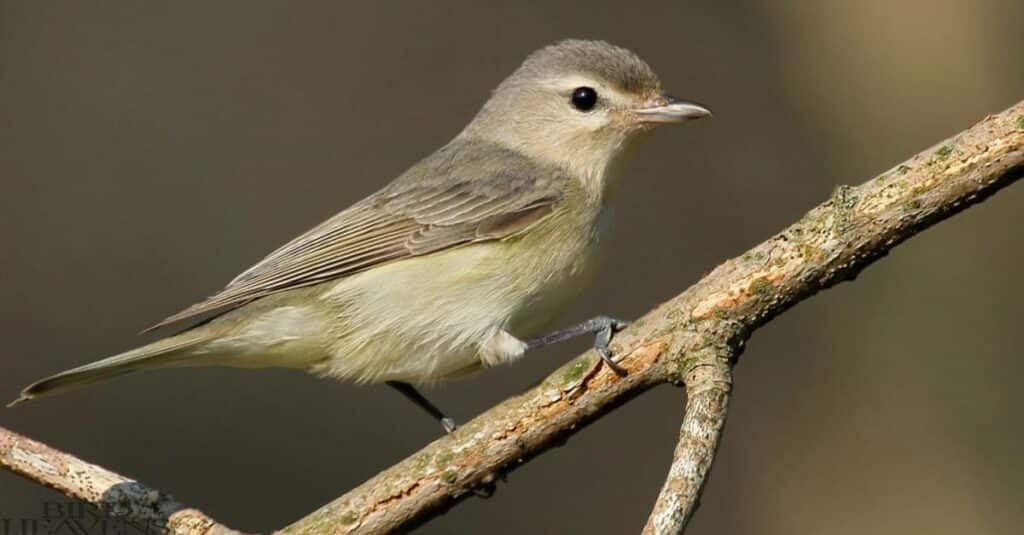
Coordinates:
<point>602,327</point>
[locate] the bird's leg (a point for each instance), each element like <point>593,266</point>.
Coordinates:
<point>422,402</point>
<point>603,327</point>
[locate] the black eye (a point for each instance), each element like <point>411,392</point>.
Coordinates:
<point>584,98</point>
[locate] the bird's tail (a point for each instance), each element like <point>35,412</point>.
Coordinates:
<point>164,353</point>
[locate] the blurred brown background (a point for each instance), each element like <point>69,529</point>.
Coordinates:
<point>150,151</point>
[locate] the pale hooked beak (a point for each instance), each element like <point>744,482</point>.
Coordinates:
<point>671,110</point>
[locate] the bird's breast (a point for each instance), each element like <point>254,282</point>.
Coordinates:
<point>560,260</point>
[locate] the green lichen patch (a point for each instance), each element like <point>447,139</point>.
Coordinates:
<point>450,476</point>
<point>687,362</point>
<point>809,252</point>
<point>761,286</point>
<point>1020,122</point>
<point>444,458</point>
<point>348,518</point>
<point>575,371</point>
<point>421,462</point>
<point>943,152</point>
<point>693,358</point>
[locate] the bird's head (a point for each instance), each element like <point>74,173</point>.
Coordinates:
<point>579,104</point>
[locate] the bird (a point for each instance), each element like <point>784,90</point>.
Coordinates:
<point>456,265</point>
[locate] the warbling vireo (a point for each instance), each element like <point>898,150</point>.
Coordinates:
<point>450,266</point>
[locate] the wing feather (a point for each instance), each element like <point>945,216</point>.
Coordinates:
<point>415,215</point>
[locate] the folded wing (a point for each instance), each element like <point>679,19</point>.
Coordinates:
<point>415,215</point>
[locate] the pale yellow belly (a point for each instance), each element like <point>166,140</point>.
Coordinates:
<point>423,320</point>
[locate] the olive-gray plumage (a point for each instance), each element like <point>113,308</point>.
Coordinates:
<point>444,269</point>
<point>437,204</point>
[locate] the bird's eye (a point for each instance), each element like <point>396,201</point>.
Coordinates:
<point>584,98</point>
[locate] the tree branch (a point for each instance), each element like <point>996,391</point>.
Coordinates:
<point>113,494</point>
<point>691,339</point>
<point>713,318</point>
<point>707,391</point>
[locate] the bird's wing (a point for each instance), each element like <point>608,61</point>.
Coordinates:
<point>409,218</point>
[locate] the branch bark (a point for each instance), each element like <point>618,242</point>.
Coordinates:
<point>691,339</point>
<point>707,389</point>
<point>113,494</point>
<point>711,319</point>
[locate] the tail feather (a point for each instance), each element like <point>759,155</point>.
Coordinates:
<point>162,353</point>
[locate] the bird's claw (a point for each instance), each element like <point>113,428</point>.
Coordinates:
<point>602,341</point>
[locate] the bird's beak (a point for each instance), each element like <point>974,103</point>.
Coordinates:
<point>669,109</point>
